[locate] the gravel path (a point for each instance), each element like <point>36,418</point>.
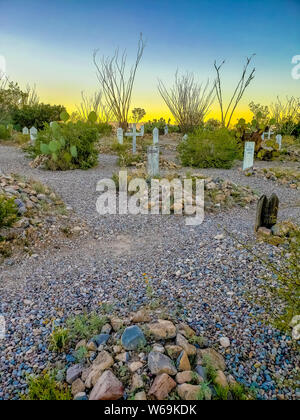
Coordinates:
<point>201,277</point>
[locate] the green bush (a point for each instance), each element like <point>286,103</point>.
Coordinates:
<point>209,149</point>
<point>4,132</point>
<point>160,124</point>
<point>8,211</point>
<point>68,145</point>
<point>36,115</point>
<point>46,388</point>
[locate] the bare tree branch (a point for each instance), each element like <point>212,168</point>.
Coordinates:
<point>238,93</point>
<point>188,102</point>
<point>116,87</point>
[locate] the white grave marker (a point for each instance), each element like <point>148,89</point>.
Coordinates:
<point>248,155</point>
<point>120,135</point>
<point>185,137</point>
<point>166,130</point>
<point>279,140</point>
<point>33,133</point>
<point>25,131</point>
<point>155,135</point>
<point>153,160</point>
<point>142,132</point>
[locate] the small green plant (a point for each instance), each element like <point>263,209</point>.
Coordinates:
<point>210,370</point>
<point>85,326</point>
<point>59,339</point>
<point>46,388</point>
<point>199,340</point>
<point>81,354</point>
<point>4,132</point>
<point>209,149</point>
<point>8,211</point>
<point>204,392</point>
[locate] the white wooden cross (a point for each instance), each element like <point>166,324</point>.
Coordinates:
<point>269,134</point>
<point>134,135</point>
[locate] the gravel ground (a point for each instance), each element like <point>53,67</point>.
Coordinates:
<point>192,272</point>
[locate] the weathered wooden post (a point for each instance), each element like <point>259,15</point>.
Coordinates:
<point>155,135</point>
<point>153,160</point>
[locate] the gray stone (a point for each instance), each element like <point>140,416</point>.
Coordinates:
<point>132,338</point>
<point>73,373</point>
<point>160,363</point>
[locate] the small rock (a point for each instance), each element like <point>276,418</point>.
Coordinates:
<point>134,366</point>
<point>73,373</point>
<point>116,323</point>
<point>141,316</point>
<point>185,330</point>
<point>136,382</point>
<point>183,362</point>
<point>187,376</point>
<point>173,351</point>
<point>159,348</point>
<point>162,330</point>
<point>159,363</point>
<point>104,360</point>
<point>181,341</point>
<point>225,342</point>
<point>77,387</point>
<point>161,386</point>
<point>81,396</point>
<point>140,396</point>
<point>101,339</point>
<point>108,387</point>
<point>188,392</point>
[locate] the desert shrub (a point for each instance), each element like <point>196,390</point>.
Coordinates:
<point>68,145</point>
<point>160,124</point>
<point>46,388</point>
<point>85,326</point>
<point>104,129</point>
<point>209,149</point>
<point>8,211</point>
<point>4,132</point>
<point>296,131</point>
<point>36,115</point>
<point>268,151</point>
<point>59,339</point>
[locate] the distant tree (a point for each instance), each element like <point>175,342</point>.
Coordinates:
<point>244,82</point>
<point>115,84</point>
<point>187,100</point>
<point>95,104</point>
<point>138,114</point>
<point>36,115</point>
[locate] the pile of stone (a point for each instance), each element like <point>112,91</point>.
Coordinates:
<point>42,216</point>
<point>287,177</point>
<point>140,359</point>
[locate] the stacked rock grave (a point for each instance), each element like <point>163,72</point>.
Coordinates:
<point>140,359</point>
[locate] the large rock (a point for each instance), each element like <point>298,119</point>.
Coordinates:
<point>221,379</point>
<point>182,342</point>
<point>104,360</point>
<point>141,316</point>
<point>216,359</point>
<point>188,392</point>
<point>93,376</point>
<point>159,363</point>
<point>188,376</point>
<point>183,362</point>
<point>161,386</point>
<point>185,330</point>
<point>108,387</point>
<point>132,338</point>
<point>73,373</point>
<point>162,330</point>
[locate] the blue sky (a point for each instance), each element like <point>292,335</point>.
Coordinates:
<point>50,43</point>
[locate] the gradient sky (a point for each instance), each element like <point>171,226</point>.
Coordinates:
<point>50,44</point>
